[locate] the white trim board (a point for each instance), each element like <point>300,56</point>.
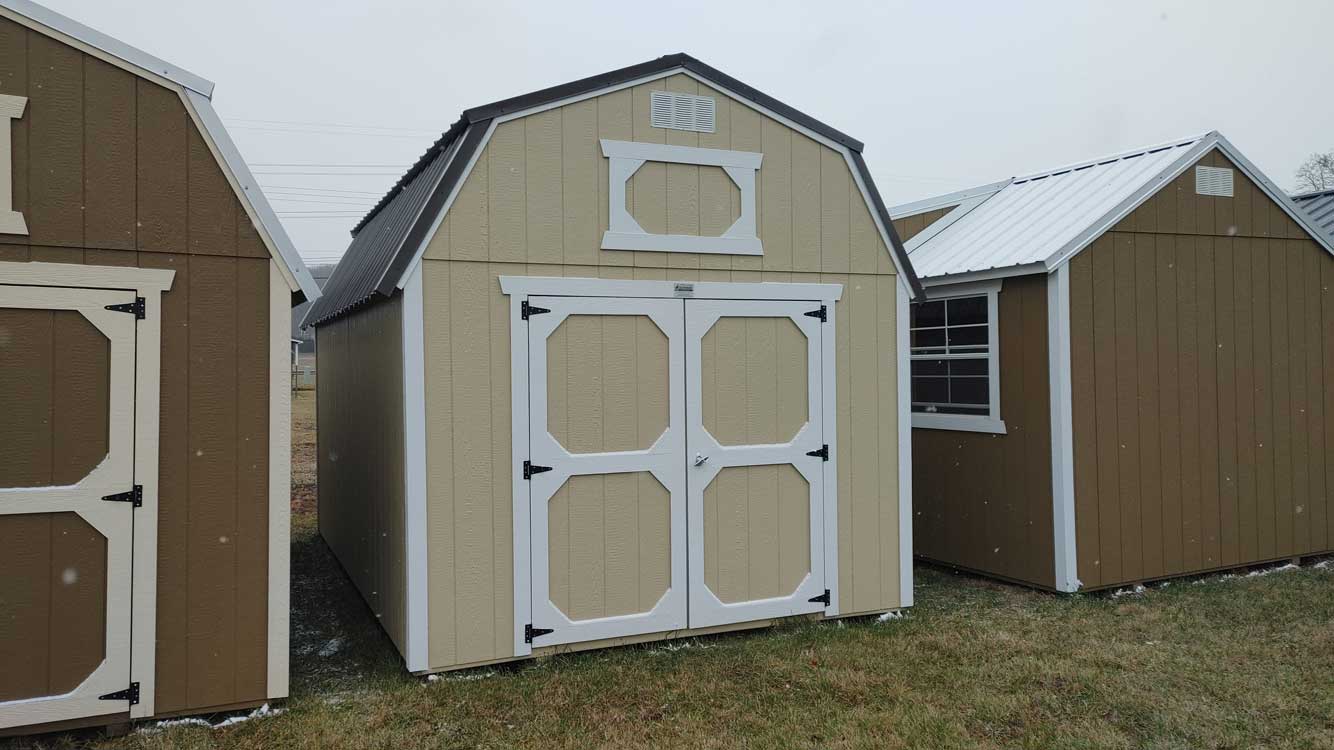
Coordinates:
<point>590,287</point>
<point>414,480</point>
<point>280,483</point>
<point>905,449</point>
<point>1066,570</point>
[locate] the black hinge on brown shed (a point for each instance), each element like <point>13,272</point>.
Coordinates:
<point>526,310</point>
<point>822,598</point>
<point>822,453</point>
<point>136,307</point>
<point>822,314</point>
<point>135,496</point>
<point>130,694</point>
<point>530,632</point>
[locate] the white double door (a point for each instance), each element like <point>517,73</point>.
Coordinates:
<point>677,459</point>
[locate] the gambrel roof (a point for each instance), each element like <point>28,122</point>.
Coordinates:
<point>1036,222</point>
<point>196,93</point>
<point>385,243</point>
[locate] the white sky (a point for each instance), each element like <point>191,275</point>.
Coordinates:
<point>945,95</point>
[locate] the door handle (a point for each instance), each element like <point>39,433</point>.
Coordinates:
<point>700,458</point>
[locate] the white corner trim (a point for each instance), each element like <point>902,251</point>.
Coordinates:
<point>414,480</point>
<point>11,108</point>
<point>1062,430</point>
<point>957,423</point>
<point>520,286</point>
<point>280,482</point>
<point>905,448</point>
<point>829,425</point>
<point>519,447</point>
<point>624,233</point>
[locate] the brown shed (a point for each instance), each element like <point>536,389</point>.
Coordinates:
<point>145,299</point>
<point>1125,371</point>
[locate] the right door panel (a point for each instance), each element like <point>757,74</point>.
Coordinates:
<point>754,431</point>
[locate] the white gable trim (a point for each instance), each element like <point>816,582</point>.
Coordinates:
<point>420,251</point>
<point>905,210</point>
<point>939,225</point>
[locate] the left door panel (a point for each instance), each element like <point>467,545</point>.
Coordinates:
<point>67,391</point>
<point>607,490</point>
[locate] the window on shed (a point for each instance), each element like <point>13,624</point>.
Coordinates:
<point>955,362</point>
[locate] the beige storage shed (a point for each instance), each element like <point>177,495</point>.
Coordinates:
<point>145,299</point>
<point>1124,371</point>
<point>618,360</point>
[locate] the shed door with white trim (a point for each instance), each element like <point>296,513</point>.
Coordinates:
<point>607,447</point>
<point>677,464</point>
<point>67,367</point>
<point>757,457</point>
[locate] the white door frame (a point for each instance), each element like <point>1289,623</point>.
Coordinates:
<point>62,279</point>
<point>708,457</point>
<point>663,460</point>
<point>520,288</point>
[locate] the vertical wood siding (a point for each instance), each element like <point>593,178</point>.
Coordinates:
<point>983,501</point>
<point>1202,357</point>
<point>360,413</point>
<point>909,226</point>
<point>109,170</point>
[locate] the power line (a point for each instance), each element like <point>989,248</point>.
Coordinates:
<point>328,165</point>
<point>282,173</point>
<point>328,124</point>
<point>306,188</point>
<point>284,199</point>
<point>306,131</point>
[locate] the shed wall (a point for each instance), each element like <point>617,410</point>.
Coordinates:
<point>359,391</point>
<point>110,170</point>
<point>468,436</point>
<point>983,501</point>
<point>1202,347</point>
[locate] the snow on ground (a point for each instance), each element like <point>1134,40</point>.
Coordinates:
<point>259,713</point>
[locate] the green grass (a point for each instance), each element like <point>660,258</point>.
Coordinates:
<point>1235,662</point>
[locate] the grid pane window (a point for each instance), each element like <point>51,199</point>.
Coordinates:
<point>951,352</point>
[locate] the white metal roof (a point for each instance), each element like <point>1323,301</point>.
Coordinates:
<point>197,93</point>
<point>1036,222</point>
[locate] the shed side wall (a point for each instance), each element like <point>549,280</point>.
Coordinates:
<point>983,501</point>
<point>109,170</point>
<point>359,387</point>
<point>1202,347</point>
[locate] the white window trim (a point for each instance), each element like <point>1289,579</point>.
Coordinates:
<point>992,422</point>
<point>624,233</point>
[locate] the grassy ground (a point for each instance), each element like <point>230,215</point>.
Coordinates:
<point>1221,662</point>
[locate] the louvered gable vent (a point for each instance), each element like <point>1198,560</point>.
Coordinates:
<point>681,111</point>
<point>1213,181</point>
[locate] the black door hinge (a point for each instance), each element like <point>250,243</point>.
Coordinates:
<point>526,310</point>
<point>136,307</point>
<point>822,598</point>
<point>130,694</point>
<point>530,632</point>
<point>135,496</point>
<point>530,468</point>
<point>822,453</point>
<point>822,314</point>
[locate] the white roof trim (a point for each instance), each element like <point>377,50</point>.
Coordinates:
<point>1303,219</point>
<point>249,193</point>
<point>939,225</point>
<point>944,201</point>
<point>111,46</point>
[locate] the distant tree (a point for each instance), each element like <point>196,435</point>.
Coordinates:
<point>1316,173</point>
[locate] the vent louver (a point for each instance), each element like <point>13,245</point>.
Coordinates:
<point>681,111</point>
<point>1213,181</point>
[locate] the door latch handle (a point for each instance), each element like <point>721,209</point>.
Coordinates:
<point>700,458</point>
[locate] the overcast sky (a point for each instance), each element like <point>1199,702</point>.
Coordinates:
<point>946,95</point>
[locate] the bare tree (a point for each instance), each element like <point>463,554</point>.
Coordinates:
<point>1316,173</point>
